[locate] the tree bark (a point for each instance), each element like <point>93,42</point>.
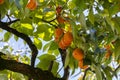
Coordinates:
<point>35,73</point>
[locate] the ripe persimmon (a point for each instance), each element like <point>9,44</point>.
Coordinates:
<point>108,47</point>
<point>81,65</point>
<point>58,9</point>
<point>58,33</point>
<point>108,54</point>
<point>32,4</point>
<point>60,19</point>
<point>61,45</point>
<point>1,1</point>
<point>67,38</point>
<point>78,54</point>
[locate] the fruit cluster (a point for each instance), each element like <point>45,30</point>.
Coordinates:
<point>78,54</point>
<point>63,39</point>
<point>59,17</point>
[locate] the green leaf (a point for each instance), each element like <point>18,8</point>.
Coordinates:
<point>17,2</point>
<point>26,28</point>
<point>45,61</point>
<point>71,4</point>
<point>47,36</point>
<point>17,76</point>
<point>53,45</point>
<point>98,72</point>
<point>82,20</point>
<point>117,49</point>
<point>91,16</point>
<point>46,46</point>
<point>7,36</point>
<point>116,21</point>
<point>42,28</point>
<point>38,43</point>
<point>44,32</point>
<point>110,22</point>
<point>67,59</point>
<point>16,38</point>
<point>47,57</point>
<point>56,52</point>
<point>114,9</point>
<point>80,4</point>
<point>55,68</point>
<point>3,77</point>
<point>107,73</point>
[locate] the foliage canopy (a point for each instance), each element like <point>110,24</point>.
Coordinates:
<point>93,26</point>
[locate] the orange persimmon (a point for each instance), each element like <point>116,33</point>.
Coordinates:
<point>108,54</point>
<point>32,4</point>
<point>61,45</point>
<point>58,33</point>
<point>108,47</point>
<point>67,38</point>
<point>81,64</point>
<point>78,54</point>
<point>1,1</point>
<point>58,9</point>
<point>60,19</point>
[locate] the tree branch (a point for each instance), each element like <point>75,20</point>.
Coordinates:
<point>66,70</point>
<point>49,22</point>
<point>33,48</point>
<point>13,21</point>
<point>35,73</point>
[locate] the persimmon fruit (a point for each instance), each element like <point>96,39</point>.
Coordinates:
<point>67,38</point>
<point>60,19</point>
<point>32,4</point>
<point>108,54</point>
<point>61,45</point>
<point>81,64</point>
<point>1,1</point>
<point>58,9</point>
<point>58,33</point>
<point>108,47</point>
<point>78,54</point>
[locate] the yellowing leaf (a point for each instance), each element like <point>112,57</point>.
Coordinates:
<point>38,43</point>
<point>28,26</point>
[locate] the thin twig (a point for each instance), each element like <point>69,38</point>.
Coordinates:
<point>8,17</point>
<point>49,22</point>
<point>59,70</point>
<point>10,22</point>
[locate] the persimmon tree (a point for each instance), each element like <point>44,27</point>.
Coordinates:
<point>60,35</point>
